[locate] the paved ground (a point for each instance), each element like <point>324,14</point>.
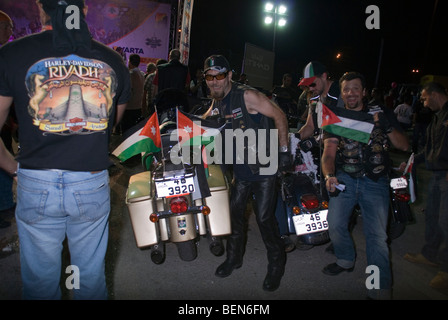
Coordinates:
<point>132,275</point>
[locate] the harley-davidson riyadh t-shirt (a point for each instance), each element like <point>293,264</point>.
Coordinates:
<point>65,102</point>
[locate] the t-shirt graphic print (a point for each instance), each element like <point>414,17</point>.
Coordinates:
<point>70,95</point>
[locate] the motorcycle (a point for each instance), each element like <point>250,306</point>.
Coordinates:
<point>400,213</point>
<point>302,204</point>
<point>301,207</point>
<point>167,203</point>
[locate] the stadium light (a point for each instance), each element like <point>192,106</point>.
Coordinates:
<point>276,15</point>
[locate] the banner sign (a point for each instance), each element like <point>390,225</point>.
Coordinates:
<point>184,45</point>
<point>127,26</point>
<point>258,64</point>
<point>138,26</point>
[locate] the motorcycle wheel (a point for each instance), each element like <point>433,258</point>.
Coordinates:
<point>216,247</point>
<point>315,239</point>
<point>398,219</point>
<point>396,229</point>
<point>187,250</point>
<point>158,253</point>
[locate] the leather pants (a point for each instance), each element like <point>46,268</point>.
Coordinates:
<point>264,209</point>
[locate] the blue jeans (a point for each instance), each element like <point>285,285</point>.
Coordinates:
<point>373,199</point>
<point>52,205</point>
<point>436,219</point>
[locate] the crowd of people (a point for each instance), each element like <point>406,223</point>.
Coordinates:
<point>62,179</point>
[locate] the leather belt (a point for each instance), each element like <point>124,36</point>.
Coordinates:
<point>46,169</point>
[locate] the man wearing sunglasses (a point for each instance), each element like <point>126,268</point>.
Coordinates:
<point>247,109</point>
<point>317,81</point>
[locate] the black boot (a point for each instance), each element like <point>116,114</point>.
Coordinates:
<point>273,277</point>
<point>236,241</point>
<point>227,267</point>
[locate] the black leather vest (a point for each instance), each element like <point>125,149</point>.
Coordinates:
<point>241,119</point>
<point>360,159</point>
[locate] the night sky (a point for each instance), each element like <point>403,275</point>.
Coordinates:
<point>319,29</point>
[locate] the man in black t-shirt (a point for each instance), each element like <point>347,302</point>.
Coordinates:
<point>68,90</point>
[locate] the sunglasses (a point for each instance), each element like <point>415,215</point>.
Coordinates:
<point>219,76</point>
<point>312,85</point>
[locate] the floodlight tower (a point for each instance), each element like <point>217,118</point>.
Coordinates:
<point>275,14</point>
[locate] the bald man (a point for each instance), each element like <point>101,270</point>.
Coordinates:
<point>6,26</point>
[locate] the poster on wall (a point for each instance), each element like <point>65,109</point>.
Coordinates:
<point>128,26</point>
<point>138,26</point>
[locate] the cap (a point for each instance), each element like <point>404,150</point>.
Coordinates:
<point>216,62</point>
<point>311,71</point>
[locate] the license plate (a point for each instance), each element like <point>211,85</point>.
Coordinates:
<point>175,187</point>
<point>398,183</point>
<point>310,223</point>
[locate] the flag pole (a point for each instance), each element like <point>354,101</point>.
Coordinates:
<point>158,127</point>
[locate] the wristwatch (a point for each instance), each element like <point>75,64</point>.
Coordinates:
<point>328,176</point>
<point>284,149</point>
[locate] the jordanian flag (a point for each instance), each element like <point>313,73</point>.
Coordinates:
<point>408,171</point>
<point>194,130</point>
<point>142,140</point>
<point>350,124</point>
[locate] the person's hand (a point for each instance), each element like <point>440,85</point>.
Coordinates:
<point>284,162</point>
<point>402,166</point>
<point>331,183</point>
<point>381,120</point>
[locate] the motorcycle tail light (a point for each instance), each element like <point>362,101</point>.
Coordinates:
<point>324,204</point>
<point>153,217</point>
<point>205,210</point>
<point>405,197</point>
<point>296,210</point>
<point>310,201</point>
<point>178,205</point>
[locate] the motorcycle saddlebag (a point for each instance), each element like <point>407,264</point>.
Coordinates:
<point>140,206</point>
<point>219,217</point>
